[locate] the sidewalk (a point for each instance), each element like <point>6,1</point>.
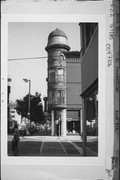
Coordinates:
<point>56,138</point>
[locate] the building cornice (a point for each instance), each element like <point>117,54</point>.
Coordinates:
<point>54,46</point>
<point>72,56</point>
<point>73,60</point>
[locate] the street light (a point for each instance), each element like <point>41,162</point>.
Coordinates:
<point>28,81</point>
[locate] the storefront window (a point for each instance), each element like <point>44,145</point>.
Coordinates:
<point>92,115</point>
<point>73,121</point>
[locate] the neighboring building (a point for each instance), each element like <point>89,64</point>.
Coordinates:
<point>13,115</point>
<point>64,83</point>
<point>89,78</point>
<point>73,91</point>
<point>10,122</point>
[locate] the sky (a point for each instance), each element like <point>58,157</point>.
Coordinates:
<point>28,40</point>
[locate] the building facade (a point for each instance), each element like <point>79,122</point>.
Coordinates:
<point>63,85</point>
<point>73,90</point>
<point>57,45</point>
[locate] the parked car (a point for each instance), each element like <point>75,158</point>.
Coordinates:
<point>31,130</point>
<point>22,130</point>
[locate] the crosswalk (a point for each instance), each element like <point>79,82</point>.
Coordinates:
<point>59,148</point>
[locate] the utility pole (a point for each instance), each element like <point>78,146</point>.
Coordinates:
<point>28,81</point>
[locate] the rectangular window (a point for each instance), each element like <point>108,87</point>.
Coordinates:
<point>60,78</point>
<point>61,97</point>
<point>50,97</point>
<point>52,75</point>
<point>60,75</point>
<point>55,97</point>
<point>60,71</point>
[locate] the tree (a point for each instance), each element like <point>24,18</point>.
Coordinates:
<point>36,108</point>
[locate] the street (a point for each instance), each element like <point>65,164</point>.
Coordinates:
<point>50,146</point>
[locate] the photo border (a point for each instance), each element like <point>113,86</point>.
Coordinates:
<point>101,143</point>
<point>103,160</point>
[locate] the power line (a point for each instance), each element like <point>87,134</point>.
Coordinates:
<point>17,59</point>
<point>44,57</point>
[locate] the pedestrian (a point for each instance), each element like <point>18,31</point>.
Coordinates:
<point>15,141</point>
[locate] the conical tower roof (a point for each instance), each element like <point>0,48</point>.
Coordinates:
<point>57,32</point>
<point>57,39</point>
